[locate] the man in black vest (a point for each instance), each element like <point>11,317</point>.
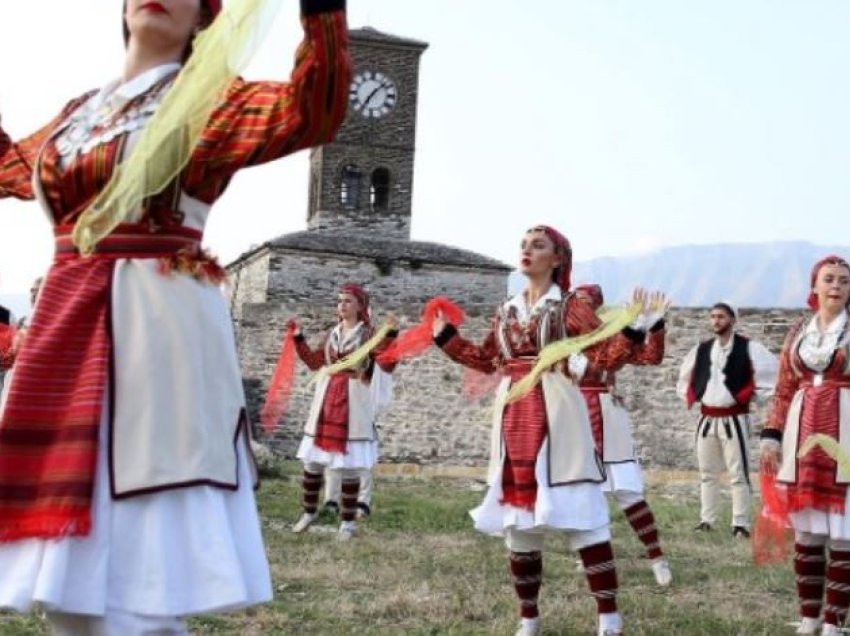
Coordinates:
<point>724,374</point>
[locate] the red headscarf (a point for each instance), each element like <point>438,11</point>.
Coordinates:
<point>593,292</point>
<point>213,7</point>
<point>832,259</point>
<point>560,274</point>
<point>362,299</point>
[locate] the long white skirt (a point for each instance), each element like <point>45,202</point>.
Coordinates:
<point>173,553</point>
<point>623,477</point>
<point>357,455</point>
<point>579,506</point>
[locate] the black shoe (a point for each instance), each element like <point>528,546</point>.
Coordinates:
<point>363,510</point>
<point>703,526</point>
<point>740,532</point>
<point>331,508</point>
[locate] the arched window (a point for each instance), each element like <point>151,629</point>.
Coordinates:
<point>379,191</point>
<point>349,191</point>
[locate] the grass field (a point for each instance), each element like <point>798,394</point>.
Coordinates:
<point>417,567</point>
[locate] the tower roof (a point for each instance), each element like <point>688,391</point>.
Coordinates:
<point>369,34</point>
<point>420,252</point>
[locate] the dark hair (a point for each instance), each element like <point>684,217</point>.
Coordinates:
<point>725,307</point>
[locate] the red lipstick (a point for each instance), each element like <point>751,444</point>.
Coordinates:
<point>153,7</point>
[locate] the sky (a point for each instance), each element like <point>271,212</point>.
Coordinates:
<point>629,125</point>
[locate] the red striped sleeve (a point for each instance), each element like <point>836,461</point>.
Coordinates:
<point>608,355</point>
<point>261,121</point>
<point>17,159</point>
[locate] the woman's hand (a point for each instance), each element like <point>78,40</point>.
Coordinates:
<point>393,322</point>
<point>18,341</point>
<point>639,297</point>
<point>295,325</point>
<point>770,452</point>
<point>439,323</point>
<point>655,308</point>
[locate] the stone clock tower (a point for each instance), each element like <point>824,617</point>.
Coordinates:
<point>362,183</point>
<point>360,194</point>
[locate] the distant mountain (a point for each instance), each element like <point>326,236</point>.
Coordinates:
<point>746,274</point>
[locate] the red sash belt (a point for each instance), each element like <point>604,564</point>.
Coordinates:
<point>838,383</point>
<point>131,240</point>
<point>593,385</point>
<point>724,411</point>
<point>49,429</point>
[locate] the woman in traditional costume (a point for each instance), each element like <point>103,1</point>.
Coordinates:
<point>612,427</point>
<point>544,474</point>
<point>126,481</point>
<point>340,432</point>
<point>813,398</point>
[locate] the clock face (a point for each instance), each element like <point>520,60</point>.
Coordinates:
<point>372,94</point>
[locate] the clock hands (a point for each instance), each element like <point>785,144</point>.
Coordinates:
<point>372,94</point>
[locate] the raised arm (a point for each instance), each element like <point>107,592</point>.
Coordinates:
<point>261,121</point>
<point>17,159</point>
<point>482,357</point>
<point>608,355</point>
<point>385,343</point>
<point>650,352</point>
<point>313,358</point>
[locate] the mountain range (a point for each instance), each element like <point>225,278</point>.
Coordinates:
<point>772,274</point>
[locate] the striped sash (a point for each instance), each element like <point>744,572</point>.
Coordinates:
<point>49,428</point>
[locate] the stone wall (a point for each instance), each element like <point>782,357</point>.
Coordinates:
<point>312,279</point>
<point>430,421</point>
<point>664,429</point>
<point>248,283</point>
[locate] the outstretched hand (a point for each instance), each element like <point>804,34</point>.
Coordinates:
<point>659,302</point>
<point>640,297</point>
<point>769,457</point>
<point>295,325</point>
<point>439,323</point>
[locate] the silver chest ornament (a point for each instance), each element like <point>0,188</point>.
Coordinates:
<point>89,127</point>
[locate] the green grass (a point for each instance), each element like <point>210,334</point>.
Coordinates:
<point>417,567</point>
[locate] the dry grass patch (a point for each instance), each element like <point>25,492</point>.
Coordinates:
<point>417,567</point>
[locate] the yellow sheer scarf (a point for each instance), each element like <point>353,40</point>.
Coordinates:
<point>220,53</point>
<point>613,322</point>
<point>357,356</point>
<point>829,446</point>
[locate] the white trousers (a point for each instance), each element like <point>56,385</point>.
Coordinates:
<point>723,445</point>
<point>333,486</point>
<point>115,623</point>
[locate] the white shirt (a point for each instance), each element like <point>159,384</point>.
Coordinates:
<point>817,347</point>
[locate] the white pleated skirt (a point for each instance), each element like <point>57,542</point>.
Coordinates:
<point>357,455</point>
<point>623,477</point>
<point>571,507</point>
<point>829,524</point>
<point>172,553</point>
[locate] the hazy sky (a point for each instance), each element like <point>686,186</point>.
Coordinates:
<point>628,124</point>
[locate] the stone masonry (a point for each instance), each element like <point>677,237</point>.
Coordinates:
<point>430,422</point>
